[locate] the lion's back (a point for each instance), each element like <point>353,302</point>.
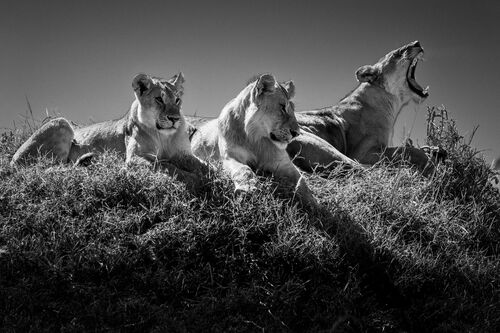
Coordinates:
<point>107,135</point>
<point>325,124</point>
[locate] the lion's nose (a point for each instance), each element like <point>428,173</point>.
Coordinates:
<point>172,119</point>
<point>416,44</point>
<point>294,133</point>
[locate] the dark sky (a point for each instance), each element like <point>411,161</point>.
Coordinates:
<point>78,58</point>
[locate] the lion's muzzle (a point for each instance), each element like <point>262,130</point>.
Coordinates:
<point>168,122</point>
<point>283,136</point>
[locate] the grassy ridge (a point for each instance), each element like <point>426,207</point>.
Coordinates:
<point>110,248</point>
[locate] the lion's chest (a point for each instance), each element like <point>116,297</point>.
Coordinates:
<point>155,145</point>
<point>164,145</point>
<point>369,124</point>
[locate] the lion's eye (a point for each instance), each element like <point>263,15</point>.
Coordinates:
<point>159,100</point>
<point>283,108</point>
<point>177,101</point>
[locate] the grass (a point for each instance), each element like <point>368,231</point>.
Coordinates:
<point>106,248</point>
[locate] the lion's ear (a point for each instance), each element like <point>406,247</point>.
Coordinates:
<point>141,83</point>
<point>177,81</point>
<point>290,88</point>
<point>265,83</point>
<point>367,73</point>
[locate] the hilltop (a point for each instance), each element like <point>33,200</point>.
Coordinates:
<point>126,249</point>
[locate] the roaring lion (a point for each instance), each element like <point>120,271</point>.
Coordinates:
<point>251,135</point>
<point>360,127</point>
<point>152,131</point>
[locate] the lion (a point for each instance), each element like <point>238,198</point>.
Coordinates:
<point>495,179</point>
<point>495,164</point>
<point>251,135</point>
<point>359,129</point>
<point>153,131</point>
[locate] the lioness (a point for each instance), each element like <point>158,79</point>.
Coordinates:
<point>252,133</point>
<point>495,179</point>
<point>360,127</point>
<point>495,164</point>
<point>153,130</point>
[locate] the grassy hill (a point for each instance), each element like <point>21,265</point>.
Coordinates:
<point>127,249</point>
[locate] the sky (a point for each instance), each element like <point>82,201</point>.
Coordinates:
<point>77,58</point>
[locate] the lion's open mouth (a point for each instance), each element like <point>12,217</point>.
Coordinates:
<point>410,76</point>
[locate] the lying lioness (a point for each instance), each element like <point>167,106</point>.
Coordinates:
<point>153,130</point>
<point>360,127</point>
<point>251,135</point>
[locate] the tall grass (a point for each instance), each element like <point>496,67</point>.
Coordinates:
<point>127,249</point>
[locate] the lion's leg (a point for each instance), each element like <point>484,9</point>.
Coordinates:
<point>189,169</point>
<point>192,180</point>
<point>53,139</point>
<point>186,160</point>
<point>204,142</point>
<point>243,177</point>
<point>289,178</point>
<point>364,151</point>
<point>309,152</point>
<point>234,162</point>
<point>191,163</point>
<point>80,154</point>
<point>301,191</point>
<point>135,156</point>
<point>416,157</point>
<point>305,195</point>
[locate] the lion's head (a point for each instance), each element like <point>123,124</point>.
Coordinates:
<point>395,72</point>
<point>270,113</point>
<point>159,101</point>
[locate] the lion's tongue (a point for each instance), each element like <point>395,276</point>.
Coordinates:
<point>413,83</point>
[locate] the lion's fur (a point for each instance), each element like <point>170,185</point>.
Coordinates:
<point>153,129</point>
<point>495,164</point>
<point>360,127</point>
<point>495,178</point>
<point>366,112</point>
<point>251,134</point>
<point>244,125</point>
